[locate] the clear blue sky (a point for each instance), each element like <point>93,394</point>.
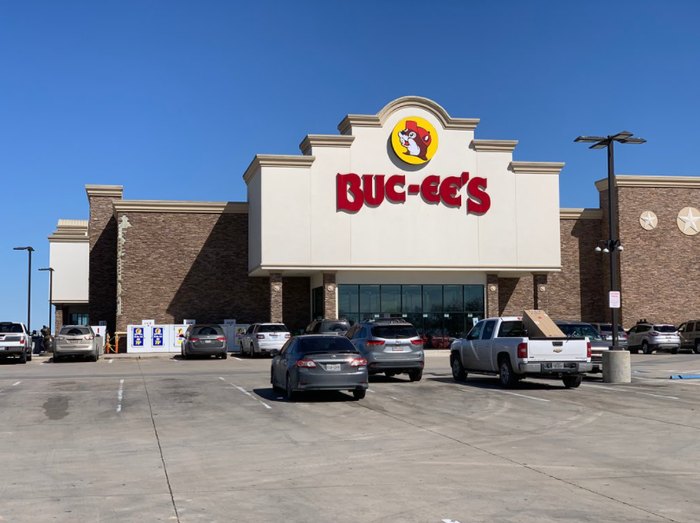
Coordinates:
<point>172,99</point>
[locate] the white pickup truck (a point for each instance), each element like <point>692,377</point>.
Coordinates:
<point>501,346</point>
<point>15,341</point>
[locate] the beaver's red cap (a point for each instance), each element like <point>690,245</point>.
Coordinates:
<point>423,134</point>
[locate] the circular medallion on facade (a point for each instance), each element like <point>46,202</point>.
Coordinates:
<point>329,288</point>
<point>492,288</point>
<point>688,221</point>
<point>414,140</point>
<point>648,220</point>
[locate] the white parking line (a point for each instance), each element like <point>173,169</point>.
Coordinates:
<point>120,395</point>
<point>110,361</point>
<point>521,395</point>
<point>631,390</point>
<point>370,390</point>
<point>16,383</point>
<point>237,359</point>
<point>246,393</point>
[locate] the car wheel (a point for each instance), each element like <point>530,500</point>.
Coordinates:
<point>697,347</point>
<point>94,358</point>
<point>224,356</point>
<point>56,357</point>
<point>415,375</point>
<point>358,394</point>
<point>571,382</point>
<point>506,375</point>
<point>290,393</point>
<point>23,357</point>
<point>674,351</point>
<point>29,357</point>
<point>458,372</point>
<point>646,349</point>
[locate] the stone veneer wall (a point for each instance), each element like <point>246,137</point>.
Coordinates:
<point>515,295</point>
<point>659,267</point>
<point>576,293</point>
<point>176,266</point>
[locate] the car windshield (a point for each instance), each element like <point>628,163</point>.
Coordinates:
<point>322,344</point>
<point>276,327</point>
<point>607,329</point>
<point>335,326</point>
<point>74,331</point>
<point>207,330</point>
<point>10,327</point>
<point>664,328</point>
<point>579,330</point>
<point>394,331</point>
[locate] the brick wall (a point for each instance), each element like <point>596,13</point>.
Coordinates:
<point>184,265</point>
<point>659,267</point>
<point>576,292</point>
<point>102,232</point>
<point>515,295</point>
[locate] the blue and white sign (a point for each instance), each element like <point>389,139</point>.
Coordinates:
<point>137,336</point>
<point>157,337</point>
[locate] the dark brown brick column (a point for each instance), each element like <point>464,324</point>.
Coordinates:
<point>540,290</point>
<point>102,233</point>
<point>491,295</point>
<point>276,302</point>
<point>59,318</point>
<point>330,308</point>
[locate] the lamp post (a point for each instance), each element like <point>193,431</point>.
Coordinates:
<point>50,269</point>
<point>612,245</point>
<point>30,250</point>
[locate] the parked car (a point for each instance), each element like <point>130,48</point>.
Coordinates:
<point>77,340</point>
<point>204,340</point>
<point>319,362</point>
<point>605,330</point>
<point>391,345</point>
<point>502,346</point>
<point>690,335</point>
<point>15,341</point>
<point>263,338</point>
<point>324,326</point>
<point>580,329</point>
<point>649,337</point>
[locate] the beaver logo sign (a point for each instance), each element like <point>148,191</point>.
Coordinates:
<point>414,140</point>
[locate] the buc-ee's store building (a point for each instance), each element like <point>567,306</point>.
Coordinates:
<point>404,213</point>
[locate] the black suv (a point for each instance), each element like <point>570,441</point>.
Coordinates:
<point>390,345</point>
<point>323,326</point>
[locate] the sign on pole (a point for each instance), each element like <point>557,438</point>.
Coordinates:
<point>614,298</point>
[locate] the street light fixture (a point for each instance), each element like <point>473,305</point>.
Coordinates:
<point>30,250</point>
<point>50,269</point>
<point>613,245</point>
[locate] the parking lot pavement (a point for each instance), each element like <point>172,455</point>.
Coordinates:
<point>162,439</point>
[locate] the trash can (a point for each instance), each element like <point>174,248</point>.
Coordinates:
<point>37,344</point>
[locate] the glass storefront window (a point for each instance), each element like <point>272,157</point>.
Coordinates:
<point>432,298</point>
<point>453,296</point>
<point>391,299</point>
<point>439,312</point>
<point>369,300</point>
<point>348,300</point>
<point>474,298</point>
<point>411,299</point>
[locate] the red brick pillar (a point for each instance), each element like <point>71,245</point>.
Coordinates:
<point>330,306</point>
<point>276,297</point>
<point>492,295</point>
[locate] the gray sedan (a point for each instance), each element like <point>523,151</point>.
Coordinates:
<point>319,362</point>
<point>77,340</point>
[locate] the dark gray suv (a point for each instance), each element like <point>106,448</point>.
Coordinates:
<point>392,346</point>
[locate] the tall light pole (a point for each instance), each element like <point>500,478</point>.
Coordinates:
<point>50,269</point>
<point>30,250</point>
<point>612,245</point>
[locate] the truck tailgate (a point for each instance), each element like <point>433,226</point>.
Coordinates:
<point>557,350</point>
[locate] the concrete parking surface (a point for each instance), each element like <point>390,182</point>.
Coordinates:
<point>162,439</point>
